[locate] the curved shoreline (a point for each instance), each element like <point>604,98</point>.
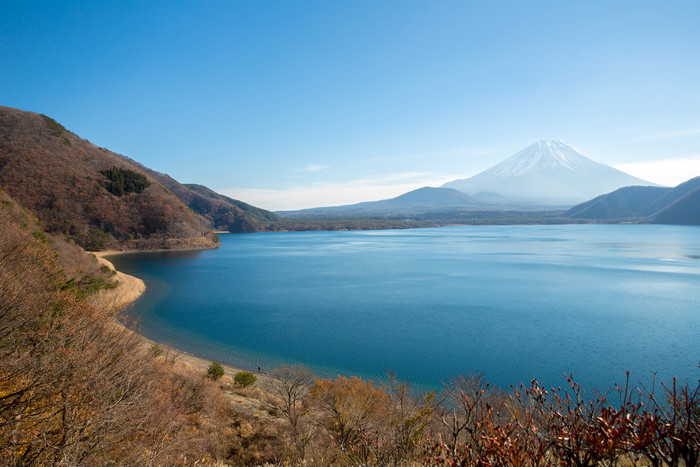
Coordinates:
<point>130,288</point>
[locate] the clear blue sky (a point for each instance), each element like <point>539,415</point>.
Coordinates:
<point>292,104</point>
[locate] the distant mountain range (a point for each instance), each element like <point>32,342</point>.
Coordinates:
<point>426,199</point>
<point>656,205</point>
<point>544,176</point>
<point>547,173</point>
<point>99,199</point>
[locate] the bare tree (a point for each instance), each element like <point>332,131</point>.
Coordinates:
<point>289,387</point>
<point>409,419</point>
<point>462,411</point>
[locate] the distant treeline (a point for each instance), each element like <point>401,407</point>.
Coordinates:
<point>432,219</point>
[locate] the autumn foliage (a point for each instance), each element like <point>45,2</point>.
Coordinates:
<point>96,197</point>
<point>75,388</point>
<point>534,426</point>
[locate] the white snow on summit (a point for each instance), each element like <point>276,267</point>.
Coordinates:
<point>542,155</point>
<point>547,173</point>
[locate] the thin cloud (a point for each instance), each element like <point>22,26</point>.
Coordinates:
<point>669,172</point>
<point>312,168</point>
<point>670,134</point>
<point>323,194</point>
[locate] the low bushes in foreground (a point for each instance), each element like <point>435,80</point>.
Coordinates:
<point>215,370</point>
<point>355,422</point>
<point>244,378</point>
<point>534,426</point>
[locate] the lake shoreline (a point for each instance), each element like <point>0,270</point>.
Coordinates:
<point>129,290</point>
<point>429,304</point>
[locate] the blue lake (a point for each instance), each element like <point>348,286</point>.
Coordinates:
<point>513,302</point>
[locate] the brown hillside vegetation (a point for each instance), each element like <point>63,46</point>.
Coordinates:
<point>221,212</point>
<point>75,389</point>
<point>65,181</point>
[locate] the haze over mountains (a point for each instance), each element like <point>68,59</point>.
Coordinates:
<point>656,205</point>
<point>545,175</point>
<point>426,199</point>
<point>101,199</point>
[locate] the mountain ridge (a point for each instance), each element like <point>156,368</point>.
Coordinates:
<point>507,186</point>
<point>93,196</point>
<point>547,173</point>
<point>220,212</point>
<point>679,205</point>
<point>414,202</point>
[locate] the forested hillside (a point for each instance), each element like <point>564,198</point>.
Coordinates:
<point>75,388</point>
<point>91,195</point>
<point>219,212</point>
<point>261,215</point>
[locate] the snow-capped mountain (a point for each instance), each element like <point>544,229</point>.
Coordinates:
<point>547,173</point>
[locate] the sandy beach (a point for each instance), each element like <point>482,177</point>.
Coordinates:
<point>130,288</point>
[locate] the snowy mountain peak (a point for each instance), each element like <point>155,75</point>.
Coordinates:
<point>547,173</point>
<point>543,155</point>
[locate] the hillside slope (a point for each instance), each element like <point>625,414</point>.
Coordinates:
<point>683,206</point>
<point>259,214</point>
<point>657,205</point>
<point>79,390</point>
<point>220,212</point>
<point>89,194</point>
<point>674,194</point>
<point>627,202</point>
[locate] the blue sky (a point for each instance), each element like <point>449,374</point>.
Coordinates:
<point>294,104</point>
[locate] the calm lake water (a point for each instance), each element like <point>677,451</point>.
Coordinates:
<point>513,302</point>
